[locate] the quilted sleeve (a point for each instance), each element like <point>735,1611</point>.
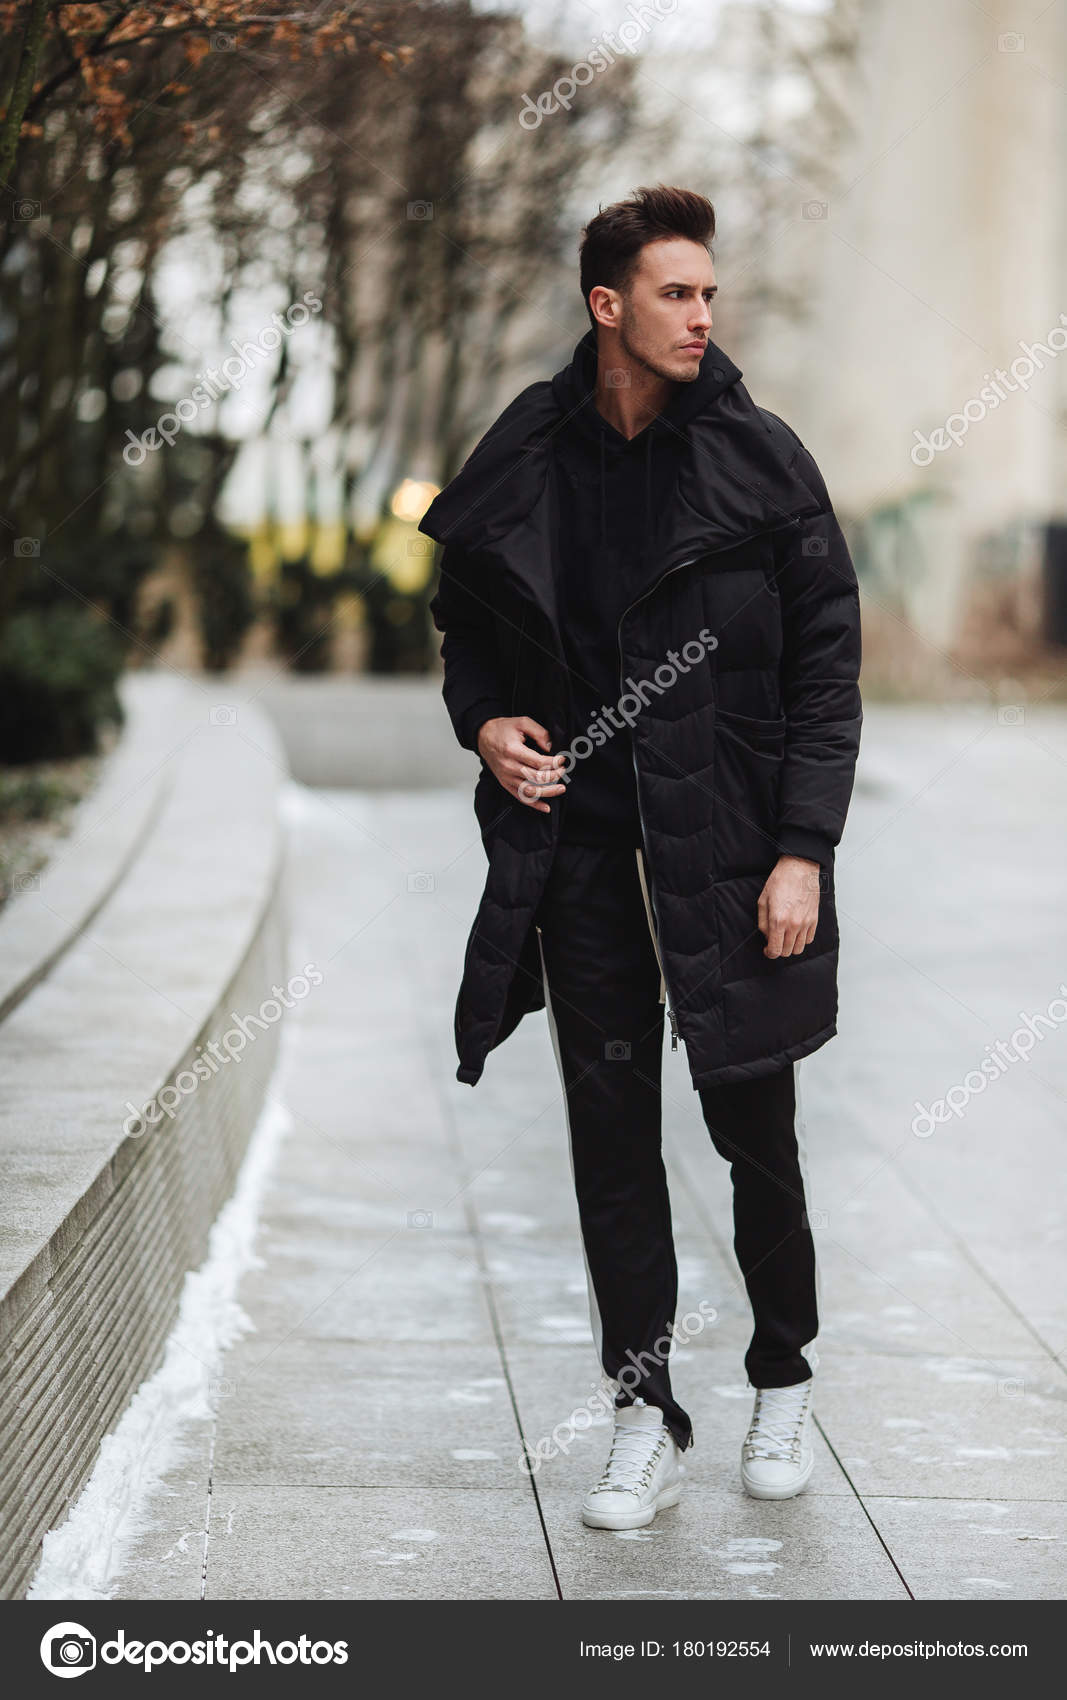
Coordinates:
<point>461,609</point>
<point>816,581</point>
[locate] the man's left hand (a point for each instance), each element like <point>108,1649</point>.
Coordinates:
<point>788,910</point>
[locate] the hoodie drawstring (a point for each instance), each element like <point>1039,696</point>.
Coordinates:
<point>603,528</point>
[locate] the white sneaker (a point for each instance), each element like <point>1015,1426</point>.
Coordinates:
<point>777,1457</point>
<point>643,1473</point>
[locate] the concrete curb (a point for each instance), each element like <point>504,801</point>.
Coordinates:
<point>98,1226</point>
<point>107,832</point>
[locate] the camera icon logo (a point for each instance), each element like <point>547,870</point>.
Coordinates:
<point>617,1050</point>
<point>68,1649</point>
<point>223,714</point>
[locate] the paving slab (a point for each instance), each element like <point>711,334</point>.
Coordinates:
<point>976,1549</point>
<point>352,1414</point>
<point>947,1427</point>
<point>317,1543</point>
<point>166,1561</point>
<point>712,1547</point>
<point>411,1284</point>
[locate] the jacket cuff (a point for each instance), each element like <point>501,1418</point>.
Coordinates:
<point>474,718</point>
<point>800,841</point>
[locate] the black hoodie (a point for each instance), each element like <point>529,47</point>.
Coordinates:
<point>612,495</point>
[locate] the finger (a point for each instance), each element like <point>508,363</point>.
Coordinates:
<point>806,935</point>
<point>530,795</point>
<point>534,781</point>
<point>540,773</point>
<point>555,764</point>
<point>535,730</point>
<point>774,939</point>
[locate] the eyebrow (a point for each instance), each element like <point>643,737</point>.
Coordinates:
<point>712,288</point>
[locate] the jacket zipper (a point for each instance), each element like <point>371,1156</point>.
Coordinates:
<point>736,544</point>
<point>670,1002</point>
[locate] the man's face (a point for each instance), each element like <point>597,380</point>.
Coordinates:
<point>665,316</point>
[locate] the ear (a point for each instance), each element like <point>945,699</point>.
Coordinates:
<point>605,304</point>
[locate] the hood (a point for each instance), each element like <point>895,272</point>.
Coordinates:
<point>502,478</point>
<point>666,435</point>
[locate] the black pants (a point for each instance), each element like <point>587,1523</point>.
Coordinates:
<point>602,993</point>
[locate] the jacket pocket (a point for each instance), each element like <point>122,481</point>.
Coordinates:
<point>765,735</point>
<point>748,768</point>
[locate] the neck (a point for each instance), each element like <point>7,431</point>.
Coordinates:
<point>629,405</point>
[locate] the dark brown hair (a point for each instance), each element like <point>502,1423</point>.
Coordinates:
<point>612,241</point>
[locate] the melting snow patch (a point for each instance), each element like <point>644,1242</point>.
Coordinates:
<point>509,1222</point>
<point>750,1556</point>
<point>957,1369</point>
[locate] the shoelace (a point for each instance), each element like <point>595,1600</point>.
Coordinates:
<point>631,1462</point>
<point>777,1421</point>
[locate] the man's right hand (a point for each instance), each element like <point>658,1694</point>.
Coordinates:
<point>523,772</point>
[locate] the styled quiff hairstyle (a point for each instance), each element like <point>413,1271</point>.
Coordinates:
<point>612,241</point>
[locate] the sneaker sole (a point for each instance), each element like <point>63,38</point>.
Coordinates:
<point>633,1519</point>
<point>758,1491</point>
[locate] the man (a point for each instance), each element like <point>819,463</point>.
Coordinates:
<point>651,640</point>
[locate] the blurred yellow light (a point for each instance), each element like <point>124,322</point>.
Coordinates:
<point>411,499</point>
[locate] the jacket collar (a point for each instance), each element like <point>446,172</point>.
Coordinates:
<point>503,476</point>
<point>734,481</point>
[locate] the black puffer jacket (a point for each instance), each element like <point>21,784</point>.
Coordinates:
<point>745,747</point>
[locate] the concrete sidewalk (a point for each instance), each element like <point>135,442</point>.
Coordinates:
<point>422,1299</point>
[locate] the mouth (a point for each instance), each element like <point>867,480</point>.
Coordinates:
<point>694,347</point>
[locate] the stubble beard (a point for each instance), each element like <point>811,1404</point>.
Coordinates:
<point>641,357</point>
